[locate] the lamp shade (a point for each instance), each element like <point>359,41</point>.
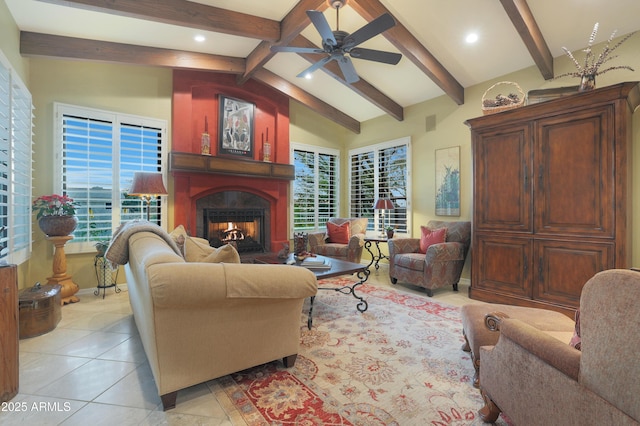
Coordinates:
<point>147,184</point>
<point>383,204</point>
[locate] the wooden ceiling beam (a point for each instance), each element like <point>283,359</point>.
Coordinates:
<point>292,24</point>
<point>306,99</point>
<point>410,47</point>
<point>526,25</point>
<point>186,14</point>
<point>361,87</point>
<point>52,46</point>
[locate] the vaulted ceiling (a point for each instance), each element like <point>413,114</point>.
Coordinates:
<point>430,35</point>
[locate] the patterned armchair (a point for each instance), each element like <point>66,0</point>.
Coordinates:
<point>320,242</point>
<point>440,266</point>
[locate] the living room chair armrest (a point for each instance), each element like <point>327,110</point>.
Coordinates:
<point>403,245</point>
<point>560,355</point>
<point>493,320</point>
<point>444,252</point>
<point>356,241</point>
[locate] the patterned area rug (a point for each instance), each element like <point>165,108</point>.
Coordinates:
<point>399,363</point>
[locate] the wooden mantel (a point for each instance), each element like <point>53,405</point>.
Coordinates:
<point>196,163</point>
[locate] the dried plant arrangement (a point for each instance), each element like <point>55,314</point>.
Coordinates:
<point>592,64</point>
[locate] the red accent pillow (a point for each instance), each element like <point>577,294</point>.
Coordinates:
<point>431,236</point>
<point>338,233</point>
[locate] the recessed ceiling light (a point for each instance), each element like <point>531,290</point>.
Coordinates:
<point>471,38</point>
<point>199,38</point>
<point>308,76</point>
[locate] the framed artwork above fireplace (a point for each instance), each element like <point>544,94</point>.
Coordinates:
<point>236,127</point>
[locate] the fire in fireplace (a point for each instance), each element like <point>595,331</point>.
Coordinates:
<point>244,228</point>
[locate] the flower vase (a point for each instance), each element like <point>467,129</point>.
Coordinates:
<point>588,82</point>
<point>389,233</point>
<point>57,225</point>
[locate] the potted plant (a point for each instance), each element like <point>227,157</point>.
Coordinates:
<point>55,214</point>
<point>390,231</point>
<point>101,247</point>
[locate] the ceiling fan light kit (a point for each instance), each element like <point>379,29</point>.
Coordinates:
<point>340,46</point>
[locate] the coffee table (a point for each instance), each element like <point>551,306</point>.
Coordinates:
<point>338,268</point>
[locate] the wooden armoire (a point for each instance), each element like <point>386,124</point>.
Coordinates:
<point>551,197</point>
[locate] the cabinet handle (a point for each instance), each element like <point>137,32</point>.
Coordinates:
<point>526,267</point>
<point>540,175</point>
<point>526,177</point>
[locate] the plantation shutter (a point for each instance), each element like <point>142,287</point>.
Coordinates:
<point>21,157</point>
<point>140,151</point>
<point>315,187</point>
<point>88,159</point>
<point>5,123</point>
<point>381,171</point>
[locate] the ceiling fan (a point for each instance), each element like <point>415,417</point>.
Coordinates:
<point>341,46</point>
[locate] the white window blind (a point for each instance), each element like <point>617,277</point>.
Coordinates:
<point>381,171</point>
<point>99,153</point>
<point>315,188</point>
<point>15,166</point>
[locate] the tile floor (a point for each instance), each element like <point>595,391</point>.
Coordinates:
<point>92,370</point>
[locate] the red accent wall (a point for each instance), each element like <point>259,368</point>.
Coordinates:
<point>195,96</point>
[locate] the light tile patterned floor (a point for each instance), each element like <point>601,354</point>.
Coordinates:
<point>92,370</point>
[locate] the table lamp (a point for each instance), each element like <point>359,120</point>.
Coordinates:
<point>147,186</point>
<point>383,204</point>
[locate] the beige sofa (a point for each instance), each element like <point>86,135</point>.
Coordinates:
<point>536,379</point>
<point>200,321</point>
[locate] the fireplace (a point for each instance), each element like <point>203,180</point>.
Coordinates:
<point>244,228</point>
<point>235,217</point>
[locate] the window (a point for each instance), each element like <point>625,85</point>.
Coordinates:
<point>15,166</point>
<point>98,153</point>
<point>315,188</point>
<point>381,171</point>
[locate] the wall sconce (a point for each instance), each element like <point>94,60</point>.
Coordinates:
<point>147,186</point>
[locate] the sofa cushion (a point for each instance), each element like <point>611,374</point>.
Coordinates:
<point>413,261</point>
<point>338,233</point>
<point>431,236</point>
<point>179,235</point>
<point>197,251</point>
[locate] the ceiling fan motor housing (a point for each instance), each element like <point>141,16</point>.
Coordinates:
<point>336,3</point>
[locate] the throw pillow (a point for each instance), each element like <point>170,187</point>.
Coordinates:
<point>179,236</point>
<point>431,236</point>
<point>338,233</point>
<point>197,251</point>
<point>576,340</point>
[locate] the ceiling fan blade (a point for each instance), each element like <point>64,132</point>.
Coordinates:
<point>348,70</point>
<point>315,66</point>
<point>320,22</point>
<point>372,29</point>
<point>375,55</point>
<point>296,49</point>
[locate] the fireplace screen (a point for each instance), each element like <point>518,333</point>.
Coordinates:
<point>244,228</point>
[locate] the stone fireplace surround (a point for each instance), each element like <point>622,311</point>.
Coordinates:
<point>195,96</point>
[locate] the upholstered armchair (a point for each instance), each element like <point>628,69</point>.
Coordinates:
<point>440,265</point>
<point>536,379</point>
<point>344,239</point>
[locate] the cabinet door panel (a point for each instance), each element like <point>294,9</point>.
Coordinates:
<point>564,267</point>
<point>502,189</point>
<point>502,265</point>
<point>575,179</point>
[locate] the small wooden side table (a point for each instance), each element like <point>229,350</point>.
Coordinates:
<point>69,288</point>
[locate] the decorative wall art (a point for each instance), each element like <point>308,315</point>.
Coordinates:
<point>448,181</point>
<point>236,127</point>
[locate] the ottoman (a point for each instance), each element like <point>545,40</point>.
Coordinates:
<point>477,334</point>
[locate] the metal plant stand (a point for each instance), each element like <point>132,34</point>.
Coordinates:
<point>106,276</point>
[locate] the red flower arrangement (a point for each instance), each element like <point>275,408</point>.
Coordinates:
<point>54,205</point>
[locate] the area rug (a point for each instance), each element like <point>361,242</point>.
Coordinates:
<point>398,363</point>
